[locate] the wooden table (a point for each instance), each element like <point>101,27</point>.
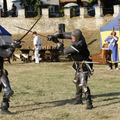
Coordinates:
<point>25,57</point>
<point>45,55</point>
<point>54,55</point>
<point>7,60</point>
<point>42,54</point>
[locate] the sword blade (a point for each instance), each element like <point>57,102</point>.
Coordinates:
<point>29,31</point>
<point>23,28</point>
<point>90,62</point>
<point>87,62</point>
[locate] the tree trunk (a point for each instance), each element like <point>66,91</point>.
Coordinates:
<point>79,3</point>
<point>101,3</point>
<point>4,5</point>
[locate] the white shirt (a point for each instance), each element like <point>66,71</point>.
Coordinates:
<point>37,43</point>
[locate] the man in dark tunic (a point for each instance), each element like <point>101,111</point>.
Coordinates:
<point>82,65</point>
<point>6,51</point>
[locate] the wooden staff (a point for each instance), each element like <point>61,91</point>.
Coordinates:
<point>113,29</point>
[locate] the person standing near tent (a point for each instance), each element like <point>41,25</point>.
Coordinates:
<point>13,10</point>
<point>113,57</point>
<point>37,46</point>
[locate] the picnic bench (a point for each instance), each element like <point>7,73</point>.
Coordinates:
<point>45,55</point>
<point>48,54</point>
<point>7,60</point>
<point>53,55</point>
<point>25,56</point>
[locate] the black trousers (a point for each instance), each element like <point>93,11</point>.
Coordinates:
<point>111,65</point>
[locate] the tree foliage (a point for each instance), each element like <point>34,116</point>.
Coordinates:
<point>34,3</point>
<point>5,5</point>
<point>79,2</point>
<point>91,1</point>
<point>104,3</point>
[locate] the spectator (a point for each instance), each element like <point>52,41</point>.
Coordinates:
<point>14,8</point>
<point>37,46</point>
<point>113,58</point>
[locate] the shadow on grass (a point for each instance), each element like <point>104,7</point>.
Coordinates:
<point>67,101</point>
<point>108,95</point>
<point>47,105</point>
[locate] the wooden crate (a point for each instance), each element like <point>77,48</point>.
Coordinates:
<point>98,58</point>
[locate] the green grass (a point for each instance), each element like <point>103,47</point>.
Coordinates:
<point>46,92</point>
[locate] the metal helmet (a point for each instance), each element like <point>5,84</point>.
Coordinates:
<point>77,34</point>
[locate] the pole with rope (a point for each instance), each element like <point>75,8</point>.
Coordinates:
<point>119,38</point>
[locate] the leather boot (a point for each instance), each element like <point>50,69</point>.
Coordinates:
<point>88,99</point>
<point>5,111</point>
<point>89,105</point>
<point>78,101</point>
<point>78,97</point>
<point>5,106</point>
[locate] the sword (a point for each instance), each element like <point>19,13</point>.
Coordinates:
<point>90,62</point>
<point>29,31</point>
<point>87,62</point>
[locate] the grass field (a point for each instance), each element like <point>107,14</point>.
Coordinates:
<point>45,91</point>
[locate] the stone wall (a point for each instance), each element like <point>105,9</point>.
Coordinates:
<point>50,25</point>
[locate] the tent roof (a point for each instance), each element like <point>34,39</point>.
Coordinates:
<point>4,32</point>
<point>114,23</point>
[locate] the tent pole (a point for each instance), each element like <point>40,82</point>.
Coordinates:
<point>113,29</point>
<point>119,37</point>
<point>119,28</point>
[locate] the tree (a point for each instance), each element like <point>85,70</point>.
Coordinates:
<point>105,3</point>
<point>4,5</point>
<point>79,3</point>
<point>101,3</point>
<point>34,3</point>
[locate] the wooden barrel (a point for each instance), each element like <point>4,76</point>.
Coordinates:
<point>105,52</point>
<point>105,45</point>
